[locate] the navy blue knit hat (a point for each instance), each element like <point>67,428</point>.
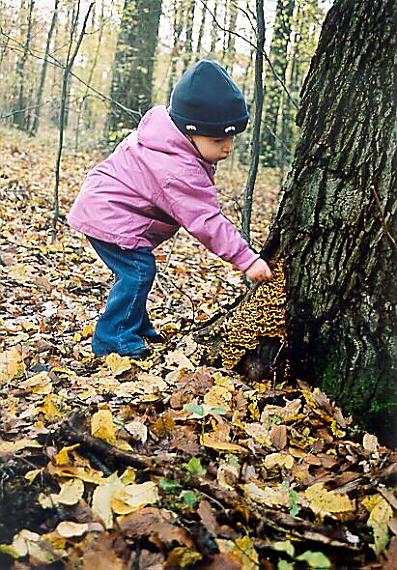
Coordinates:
<point>206,101</point>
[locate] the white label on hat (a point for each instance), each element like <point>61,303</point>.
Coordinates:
<point>191,128</point>
<point>232,128</point>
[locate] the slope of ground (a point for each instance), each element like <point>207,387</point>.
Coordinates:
<point>160,464</point>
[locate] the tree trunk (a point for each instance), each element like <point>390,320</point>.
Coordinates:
<point>337,220</point>
<point>255,142</point>
<point>200,36</point>
<point>178,26</point>
<point>214,29</point>
<point>134,62</point>
<point>20,116</point>
<point>187,56</point>
<point>274,92</point>
<point>231,40</point>
<point>40,92</point>
<point>82,102</point>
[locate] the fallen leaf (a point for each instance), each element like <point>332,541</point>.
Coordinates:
<point>210,440</point>
<point>103,427</point>
<point>323,502</point>
<point>269,496</point>
<point>70,493</point>
<point>11,365</point>
<point>102,499</point>
<point>118,364</point>
<point>67,529</point>
<point>133,497</point>
<point>381,514</point>
<point>279,460</point>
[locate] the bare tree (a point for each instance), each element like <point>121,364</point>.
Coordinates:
<point>19,117</point>
<point>71,56</point>
<point>255,141</point>
<point>43,74</point>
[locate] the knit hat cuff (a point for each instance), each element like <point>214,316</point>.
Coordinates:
<point>209,129</point>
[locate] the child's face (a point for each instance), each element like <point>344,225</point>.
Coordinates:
<point>213,149</point>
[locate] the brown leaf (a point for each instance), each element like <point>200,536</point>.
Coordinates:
<point>278,436</point>
<point>146,560</point>
<point>206,513</point>
<point>391,556</point>
<point>223,562</point>
<point>154,523</point>
<point>101,556</point>
<point>185,439</point>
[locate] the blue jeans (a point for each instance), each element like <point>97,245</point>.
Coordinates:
<point>125,320</point>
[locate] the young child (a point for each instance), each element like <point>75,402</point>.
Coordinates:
<point>159,178</point>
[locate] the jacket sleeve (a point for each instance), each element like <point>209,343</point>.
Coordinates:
<point>193,203</point>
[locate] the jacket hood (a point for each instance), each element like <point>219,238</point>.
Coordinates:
<point>157,131</point>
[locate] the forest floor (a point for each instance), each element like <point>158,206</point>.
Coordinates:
<point>113,463</point>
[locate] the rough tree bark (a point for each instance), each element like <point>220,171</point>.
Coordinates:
<point>134,62</point>
<point>337,220</point>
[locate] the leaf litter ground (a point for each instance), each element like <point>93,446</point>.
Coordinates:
<point>113,463</point>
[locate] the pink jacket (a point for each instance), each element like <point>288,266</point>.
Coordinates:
<point>154,182</point>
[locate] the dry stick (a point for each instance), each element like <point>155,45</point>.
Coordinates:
<point>68,67</point>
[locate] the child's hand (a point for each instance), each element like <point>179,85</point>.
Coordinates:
<point>259,271</point>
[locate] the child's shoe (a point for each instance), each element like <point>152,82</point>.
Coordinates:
<point>155,338</point>
<point>141,355</point>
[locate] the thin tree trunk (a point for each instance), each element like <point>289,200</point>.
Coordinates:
<point>231,42</point>
<point>203,22</point>
<point>187,56</point>
<point>178,26</point>
<point>83,99</point>
<point>255,148</point>
<point>19,117</point>
<point>68,67</point>
<point>40,92</point>
<point>337,221</point>
<point>214,30</point>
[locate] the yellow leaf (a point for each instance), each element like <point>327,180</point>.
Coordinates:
<point>31,475</point>
<point>38,384</point>
<point>102,499</point>
<point>221,380</point>
<point>67,529</point>
<point>323,502</point>
<point>64,457</point>
<point>259,432</point>
<point>279,460</point>
<point>87,475</point>
<point>218,397</point>
<point>381,514</point>
<point>50,407</point>
<point>8,447</point>
<point>209,440</point>
<point>70,493</point>
<point>244,550</point>
<point>102,426</point>
<point>118,364</point>
<point>336,431</point>
<point>270,496</point>
<point>11,365</point>
<point>288,413</point>
<point>133,497</point>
